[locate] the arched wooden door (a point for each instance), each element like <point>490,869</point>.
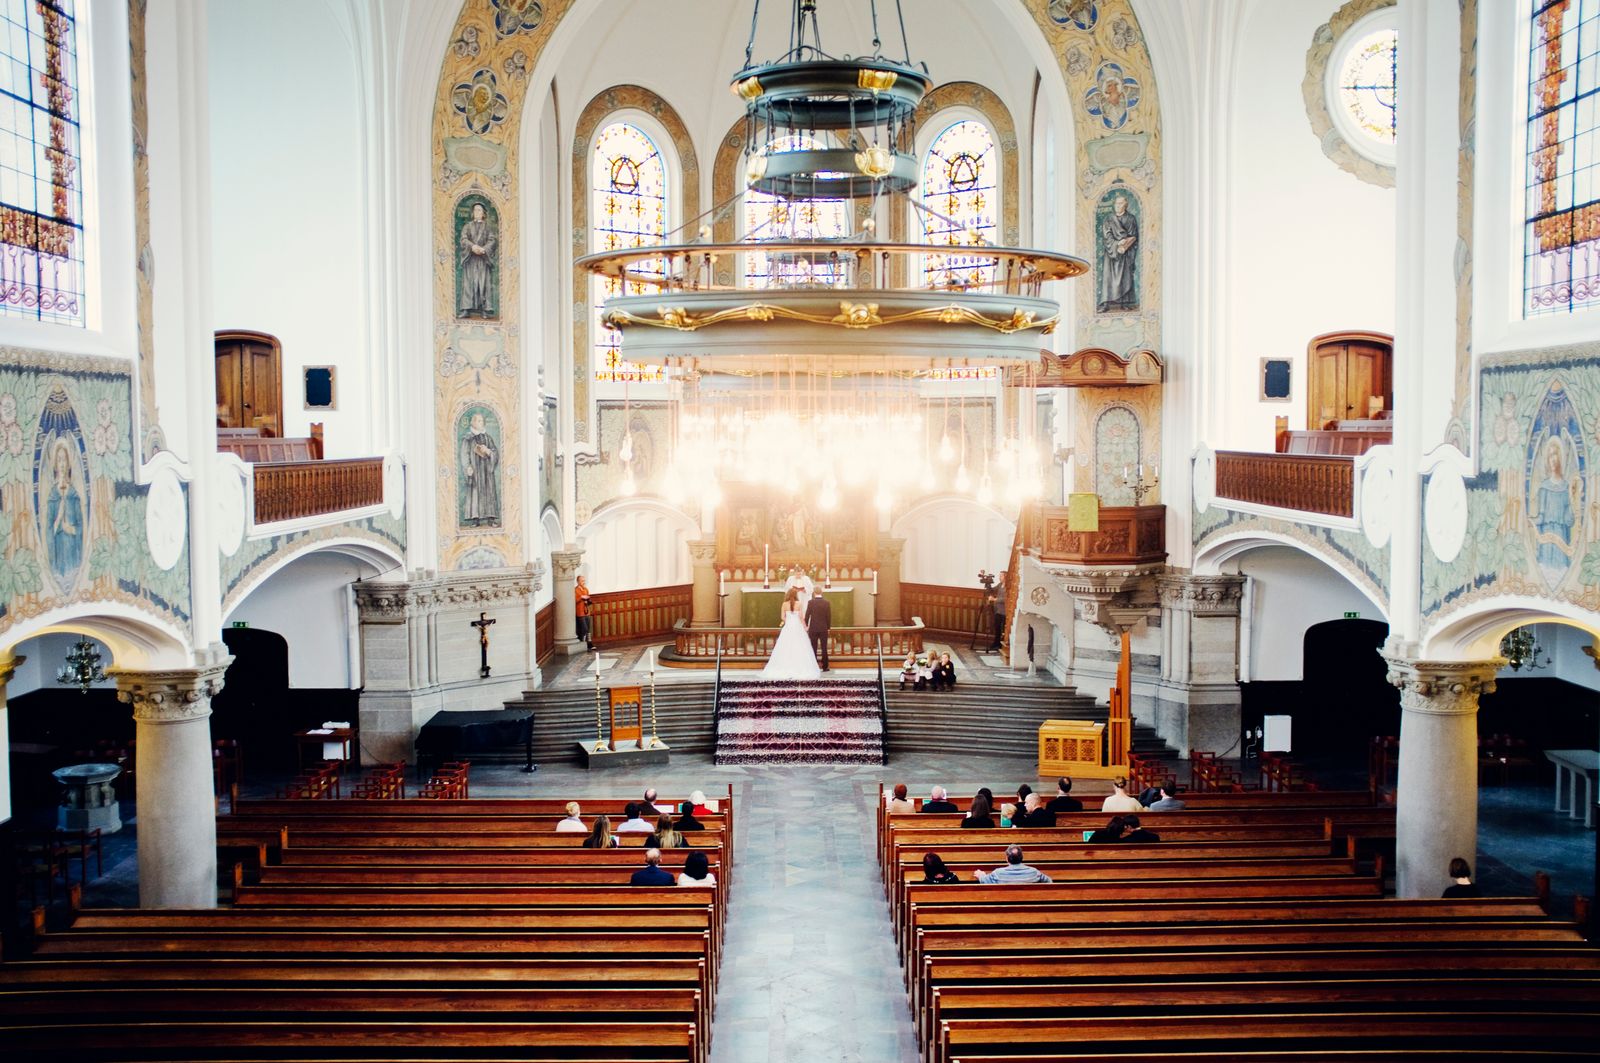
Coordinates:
<point>1351,377</point>
<point>250,381</point>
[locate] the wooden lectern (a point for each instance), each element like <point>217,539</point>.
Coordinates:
<point>626,703</point>
<point>1070,747</point>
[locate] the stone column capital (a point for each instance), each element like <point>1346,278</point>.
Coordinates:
<point>1442,688</point>
<point>703,551</point>
<point>564,564</point>
<point>170,696</point>
<point>8,667</point>
<point>890,547</point>
<point>1202,595</point>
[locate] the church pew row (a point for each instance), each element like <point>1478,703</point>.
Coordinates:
<point>648,917</point>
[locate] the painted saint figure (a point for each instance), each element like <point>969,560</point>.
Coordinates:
<point>476,263</point>
<point>1118,257</point>
<point>1552,513</point>
<point>64,516</point>
<point>480,464</point>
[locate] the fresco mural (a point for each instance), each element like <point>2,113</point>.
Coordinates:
<point>257,555</point>
<point>1533,510</point>
<point>1347,551</point>
<point>1116,251</point>
<point>72,516</point>
<point>477,257</point>
<point>478,473</point>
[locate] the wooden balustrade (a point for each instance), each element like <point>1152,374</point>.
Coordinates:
<point>289,490</point>
<point>650,612</point>
<point>1128,535</point>
<point>544,633</point>
<point>755,643</point>
<point>1310,483</point>
<point>948,611</point>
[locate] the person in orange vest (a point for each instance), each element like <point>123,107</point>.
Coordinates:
<point>580,596</point>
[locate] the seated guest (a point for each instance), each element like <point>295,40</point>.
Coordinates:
<point>1022,793</point>
<point>665,837</point>
<point>900,802</point>
<point>934,871</point>
<point>1034,814</point>
<point>573,824</point>
<point>938,801</point>
<point>1149,796</point>
<point>651,874</point>
<point>698,799</point>
<point>1008,813</point>
<point>1461,871</point>
<point>908,672</point>
<point>647,807</point>
<point>1014,873</point>
<point>1063,801</point>
<point>1113,831</point>
<point>686,820</point>
<point>696,871</point>
<point>1119,801</point>
<point>1165,802</point>
<point>633,822</point>
<point>979,816</point>
<point>601,837</point>
<point>944,673</point>
<point>1137,833</point>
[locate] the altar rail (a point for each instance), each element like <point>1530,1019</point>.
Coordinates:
<point>1309,483</point>
<point>954,612</point>
<point>1128,535</point>
<point>648,612</point>
<point>290,490</point>
<point>845,644</point>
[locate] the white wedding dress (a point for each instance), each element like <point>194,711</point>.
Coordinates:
<point>792,656</point>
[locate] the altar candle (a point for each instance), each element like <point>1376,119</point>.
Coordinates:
<point>650,658</point>
<point>766,559</point>
<point>874,581</point>
<point>722,582</point>
<point>827,560</point>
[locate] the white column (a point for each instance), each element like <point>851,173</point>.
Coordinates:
<point>564,578</point>
<point>1436,805</point>
<point>176,807</point>
<point>703,602</point>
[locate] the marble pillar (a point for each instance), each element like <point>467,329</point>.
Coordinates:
<point>176,806</point>
<point>703,603</point>
<point>1436,801</point>
<point>890,549</point>
<point>564,575</point>
<point>8,668</point>
<point>1198,700</point>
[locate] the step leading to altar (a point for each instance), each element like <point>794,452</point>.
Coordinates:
<point>828,721</point>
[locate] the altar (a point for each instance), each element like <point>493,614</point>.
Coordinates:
<point>758,607</point>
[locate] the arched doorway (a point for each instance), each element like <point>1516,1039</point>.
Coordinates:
<point>1346,698</point>
<point>255,706</point>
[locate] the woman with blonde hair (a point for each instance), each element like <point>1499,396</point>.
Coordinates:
<point>573,824</point>
<point>1119,800</point>
<point>601,837</point>
<point>666,836</point>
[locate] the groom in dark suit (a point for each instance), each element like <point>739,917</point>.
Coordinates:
<point>819,617</point>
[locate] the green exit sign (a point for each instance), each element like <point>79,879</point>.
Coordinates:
<point>1347,616</point>
<point>246,623</point>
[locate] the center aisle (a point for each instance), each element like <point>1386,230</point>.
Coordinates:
<point>809,973</point>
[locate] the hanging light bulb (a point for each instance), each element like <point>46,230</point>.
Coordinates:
<point>985,491</point>
<point>829,498</point>
<point>755,169</point>
<point>629,487</point>
<point>711,496</point>
<point>947,449</point>
<point>884,500</point>
<point>625,451</point>
<point>963,481</point>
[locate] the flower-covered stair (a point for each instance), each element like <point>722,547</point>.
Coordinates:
<point>830,721</point>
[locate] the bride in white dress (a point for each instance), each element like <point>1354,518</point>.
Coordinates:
<point>792,656</point>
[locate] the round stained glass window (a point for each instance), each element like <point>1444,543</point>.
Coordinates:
<point>1366,85</point>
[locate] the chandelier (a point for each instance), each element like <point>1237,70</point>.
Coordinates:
<point>83,666</point>
<point>1521,650</point>
<point>809,355</point>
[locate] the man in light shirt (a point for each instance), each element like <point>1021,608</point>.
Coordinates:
<point>1167,803</point>
<point>633,822</point>
<point>1014,873</point>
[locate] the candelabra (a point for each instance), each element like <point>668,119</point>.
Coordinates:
<point>1134,481</point>
<point>82,669</point>
<point>655,731</point>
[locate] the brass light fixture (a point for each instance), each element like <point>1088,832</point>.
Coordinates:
<point>82,669</point>
<point>1522,651</point>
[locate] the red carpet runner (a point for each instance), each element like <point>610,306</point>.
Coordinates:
<point>831,721</point>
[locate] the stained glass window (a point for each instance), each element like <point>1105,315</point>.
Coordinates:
<point>960,194</point>
<point>1367,82</point>
<point>1561,251</point>
<point>41,196</point>
<point>770,218</point>
<point>627,208</point>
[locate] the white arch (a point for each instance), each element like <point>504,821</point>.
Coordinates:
<point>137,641</point>
<point>381,556</point>
<point>1216,553</point>
<point>1475,633</point>
<point>949,538</point>
<point>637,542</point>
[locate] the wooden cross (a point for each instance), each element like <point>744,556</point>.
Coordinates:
<point>483,624</point>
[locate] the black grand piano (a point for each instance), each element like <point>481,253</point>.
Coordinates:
<point>450,735</point>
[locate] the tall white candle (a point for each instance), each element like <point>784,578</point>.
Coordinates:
<point>722,582</point>
<point>874,581</point>
<point>766,559</point>
<point>827,560</point>
<point>650,658</point>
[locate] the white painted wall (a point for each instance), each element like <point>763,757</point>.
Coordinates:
<point>308,603</point>
<point>637,544</point>
<point>288,200</point>
<point>1289,591</point>
<point>949,539</point>
<point>1313,248</point>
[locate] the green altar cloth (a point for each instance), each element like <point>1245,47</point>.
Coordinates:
<point>760,608</point>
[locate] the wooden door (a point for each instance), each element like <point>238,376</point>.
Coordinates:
<point>1350,378</point>
<point>249,382</point>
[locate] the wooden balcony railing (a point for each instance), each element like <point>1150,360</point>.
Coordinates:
<point>622,616</point>
<point>289,490</point>
<point>755,643</point>
<point>951,611</point>
<point>1128,535</point>
<point>1312,483</point>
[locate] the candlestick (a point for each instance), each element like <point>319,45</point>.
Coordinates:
<point>722,610</point>
<point>766,565</point>
<point>874,581</point>
<point>599,739</point>
<point>655,731</point>
<point>722,582</point>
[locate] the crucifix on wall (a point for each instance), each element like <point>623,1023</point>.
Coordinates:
<point>483,623</point>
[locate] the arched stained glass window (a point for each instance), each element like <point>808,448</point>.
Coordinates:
<point>1561,253</point>
<point>771,218</point>
<point>41,195</point>
<point>627,208</point>
<point>960,196</point>
<point>1367,80</point>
